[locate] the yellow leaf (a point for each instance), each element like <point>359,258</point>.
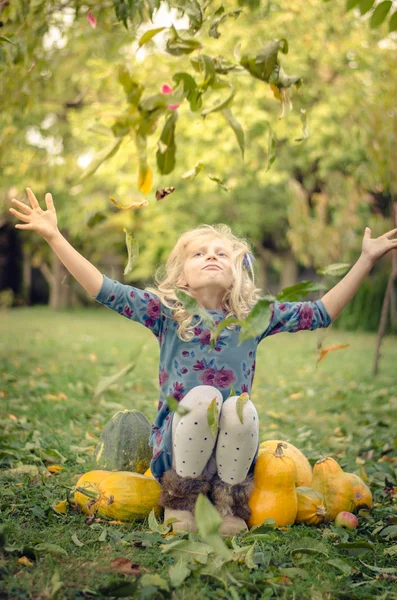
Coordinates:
<point>60,507</point>
<point>135,204</point>
<point>25,561</point>
<point>296,396</point>
<point>55,468</point>
<point>145,179</point>
<point>276,91</point>
<point>325,351</point>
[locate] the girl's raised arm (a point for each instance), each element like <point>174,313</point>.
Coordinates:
<point>45,223</point>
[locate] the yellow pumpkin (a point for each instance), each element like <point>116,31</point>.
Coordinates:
<point>123,495</point>
<point>274,495</point>
<point>303,467</point>
<point>334,484</point>
<point>362,495</point>
<point>89,483</point>
<point>311,509</point>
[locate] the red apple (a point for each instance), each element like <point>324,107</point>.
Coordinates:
<point>346,519</point>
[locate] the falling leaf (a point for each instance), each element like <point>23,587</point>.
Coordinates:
<point>91,20</point>
<point>133,251</point>
<point>305,127</point>
<point>325,351</point>
<point>55,468</point>
<point>218,181</point>
<point>213,417</point>
<point>241,402</point>
<point>192,173</point>
<point>60,507</point>
<point>148,35</point>
<point>145,178</point>
<point>137,204</point>
<point>162,193</point>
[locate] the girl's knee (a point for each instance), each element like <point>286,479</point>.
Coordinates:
<point>201,395</point>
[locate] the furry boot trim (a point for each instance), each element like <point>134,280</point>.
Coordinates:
<point>181,493</point>
<point>232,499</point>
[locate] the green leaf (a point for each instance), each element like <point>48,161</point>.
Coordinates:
<point>6,39</point>
<point>106,382</point>
<point>52,549</point>
<point>218,181</point>
<point>208,521</point>
<point>335,270</point>
<point>389,532</point>
<point>237,128</point>
<point>390,570</point>
<point>271,147</point>
<point>296,292</point>
<point>213,417</point>
<point>156,527</point>
<point>380,13</point>
<point>174,406</point>
<point>221,105</point>
<point>305,127</point>
<point>149,35</point>
<point>307,545</point>
<point>341,565</point>
<point>96,218</point>
<point>165,155</point>
<point>132,89</point>
<point>194,308</point>
<point>356,548</point>
<point>192,173</point>
<point>190,551</point>
<point>232,391</point>
<point>154,579</point>
<point>393,22</point>
<point>213,30</point>
<point>351,4</point>
<point>366,5</point>
<point>178,573</point>
<point>76,540</point>
<point>133,251</point>
<point>241,402</point>
<point>220,327</point>
<point>176,45</point>
<point>100,158</point>
<point>257,320</point>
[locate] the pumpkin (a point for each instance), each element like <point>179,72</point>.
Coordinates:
<point>274,495</point>
<point>334,484</point>
<point>88,484</point>
<point>124,443</point>
<point>123,495</point>
<point>311,509</point>
<point>148,473</point>
<point>303,467</point>
<point>362,495</point>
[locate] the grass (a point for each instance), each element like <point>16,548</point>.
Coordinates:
<point>51,363</point>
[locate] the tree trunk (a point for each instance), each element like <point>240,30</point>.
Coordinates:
<point>289,273</point>
<point>387,299</point>
<point>26,274</point>
<point>264,259</point>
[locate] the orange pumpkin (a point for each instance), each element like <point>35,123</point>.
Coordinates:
<point>334,484</point>
<point>274,495</point>
<point>362,495</point>
<point>311,509</point>
<point>303,467</point>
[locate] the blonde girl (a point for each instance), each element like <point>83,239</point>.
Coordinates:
<point>215,268</point>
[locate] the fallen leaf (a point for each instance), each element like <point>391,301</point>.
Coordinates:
<point>124,565</point>
<point>25,561</point>
<point>136,204</point>
<point>55,468</point>
<point>60,507</point>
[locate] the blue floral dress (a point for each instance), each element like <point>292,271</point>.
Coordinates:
<point>184,365</point>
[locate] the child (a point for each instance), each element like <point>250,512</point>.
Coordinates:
<point>210,264</point>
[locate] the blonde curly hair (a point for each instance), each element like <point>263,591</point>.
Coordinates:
<point>238,299</point>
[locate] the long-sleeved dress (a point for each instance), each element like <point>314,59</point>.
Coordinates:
<point>184,365</point>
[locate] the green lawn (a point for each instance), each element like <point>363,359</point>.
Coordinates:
<point>51,364</point>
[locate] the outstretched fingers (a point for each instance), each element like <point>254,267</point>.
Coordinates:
<point>32,198</point>
<point>391,233</point>
<point>26,209</point>
<point>49,201</point>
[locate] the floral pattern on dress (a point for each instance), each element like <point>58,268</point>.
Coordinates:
<point>184,365</point>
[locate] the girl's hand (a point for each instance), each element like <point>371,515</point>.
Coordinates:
<point>375,248</point>
<point>44,222</point>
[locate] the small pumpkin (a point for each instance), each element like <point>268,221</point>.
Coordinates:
<point>334,484</point>
<point>274,495</point>
<point>362,495</point>
<point>122,495</point>
<point>303,467</point>
<point>124,443</point>
<point>311,509</point>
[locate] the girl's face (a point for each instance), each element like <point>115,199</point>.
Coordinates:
<point>208,263</point>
